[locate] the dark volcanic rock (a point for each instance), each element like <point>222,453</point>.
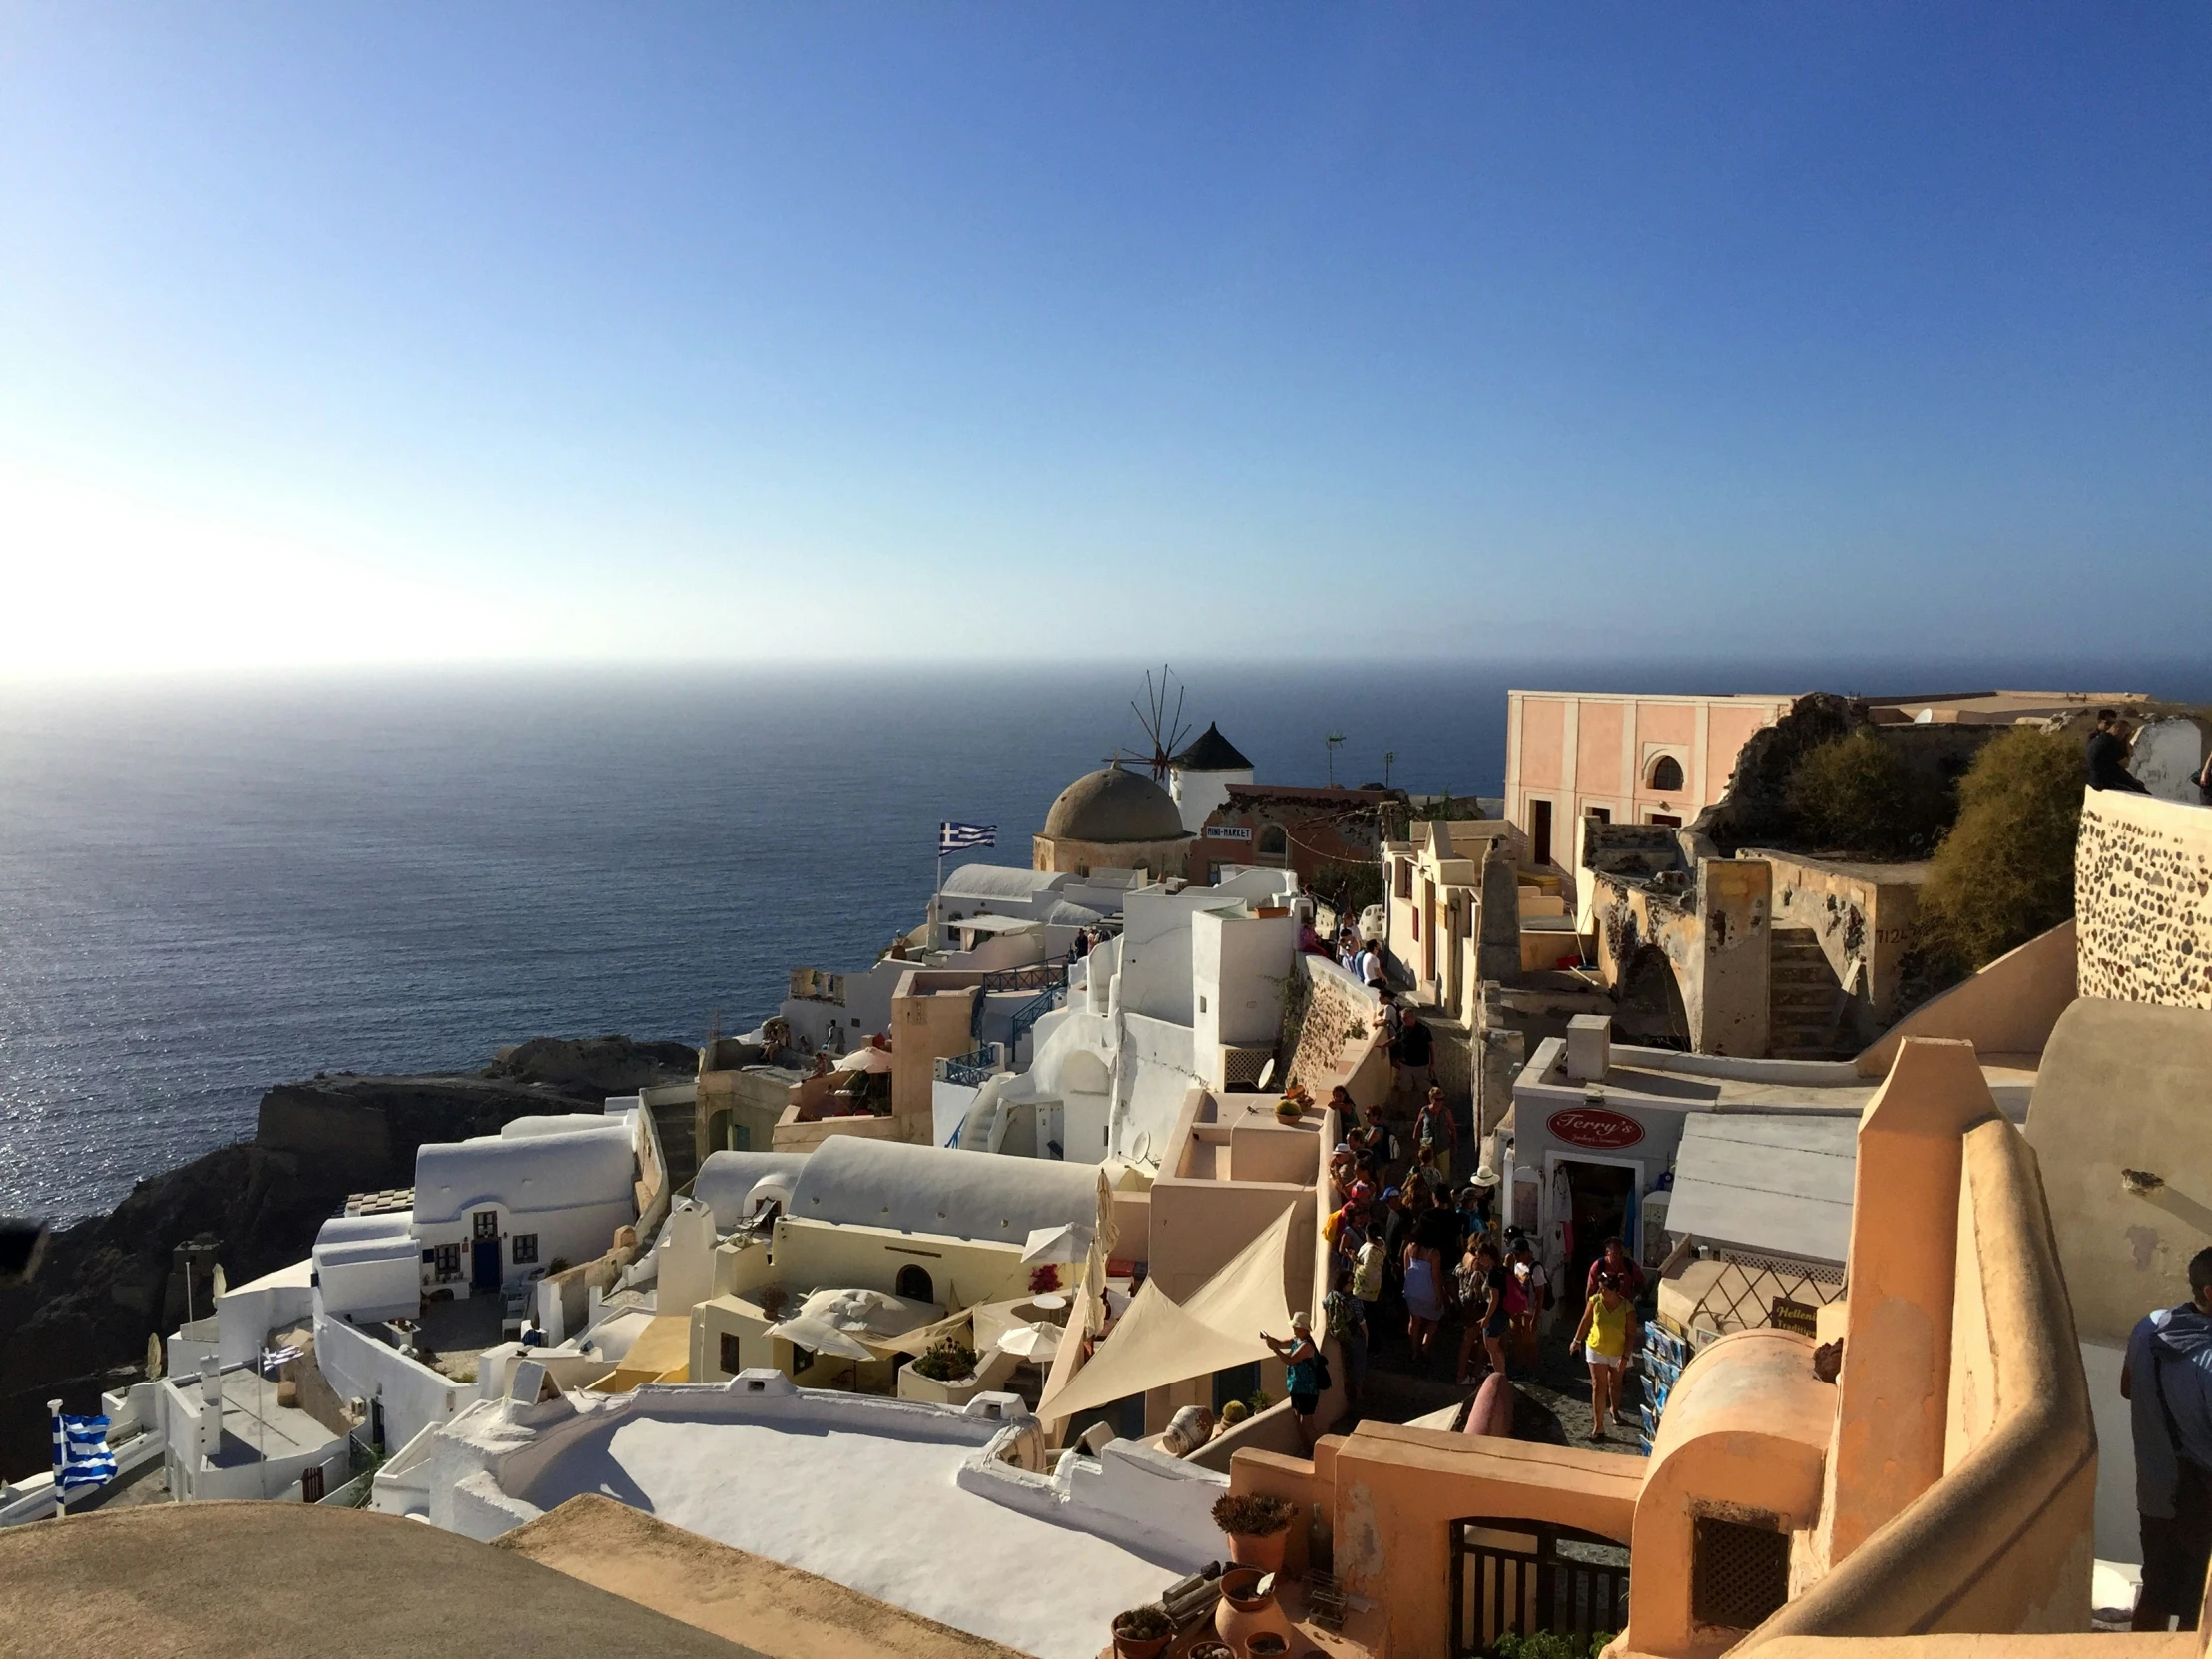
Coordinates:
<point>106,1284</point>
<point>595,1068</point>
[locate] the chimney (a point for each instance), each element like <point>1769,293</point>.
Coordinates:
<point>1589,1048</point>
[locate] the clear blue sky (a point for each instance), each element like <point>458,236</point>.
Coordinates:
<point>423,332</point>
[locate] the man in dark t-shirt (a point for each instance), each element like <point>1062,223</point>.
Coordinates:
<point>2108,755</point>
<point>1414,1051</point>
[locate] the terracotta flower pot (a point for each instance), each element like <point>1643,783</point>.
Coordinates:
<point>1266,1553</point>
<point>1244,1613</point>
<point>1140,1647</point>
<point>1266,1644</point>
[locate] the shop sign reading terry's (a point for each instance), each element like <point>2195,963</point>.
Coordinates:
<point>1595,1127</point>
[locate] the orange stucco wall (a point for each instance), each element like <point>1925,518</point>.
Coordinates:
<point>2001,1541</point>
<point>1727,729</point>
<point>1544,739</point>
<point>1597,768</point>
<point>1745,1435</point>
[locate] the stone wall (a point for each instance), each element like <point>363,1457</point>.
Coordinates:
<point>2144,900</point>
<point>1338,1016</point>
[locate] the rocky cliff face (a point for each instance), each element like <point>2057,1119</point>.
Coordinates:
<point>106,1284</point>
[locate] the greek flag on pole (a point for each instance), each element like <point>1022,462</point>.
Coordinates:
<point>955,837</point>
<point>81,1454</point>
<point>272,1358</point>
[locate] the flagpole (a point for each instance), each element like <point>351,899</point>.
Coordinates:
<point>61,1492</point>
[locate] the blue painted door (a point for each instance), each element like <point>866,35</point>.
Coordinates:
<point>486,1268</point>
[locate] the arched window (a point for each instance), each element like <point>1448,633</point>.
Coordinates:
<point>915,1284</point>
<point>1666,775</point>
<point>1274,844</point>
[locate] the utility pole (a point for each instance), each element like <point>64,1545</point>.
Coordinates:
<point>1389,757</point>
<point>1331,740</point>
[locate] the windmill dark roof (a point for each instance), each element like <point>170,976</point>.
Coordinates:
<point>1212,753</point>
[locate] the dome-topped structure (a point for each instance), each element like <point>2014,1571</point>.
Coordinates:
<point>1111,804</point>
<point>1114,819</point>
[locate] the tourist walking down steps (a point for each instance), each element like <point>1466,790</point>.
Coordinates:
<point>2166,1379</point>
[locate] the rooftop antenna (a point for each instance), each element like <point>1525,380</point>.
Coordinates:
<point>1331,740</point>
<point>1160,724</point>
<point>1389,757</point>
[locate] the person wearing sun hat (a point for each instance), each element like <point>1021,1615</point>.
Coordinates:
<point>1307,1375</point>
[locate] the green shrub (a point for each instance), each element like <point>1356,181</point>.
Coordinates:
<point>1854,793</point>
<point>1547,1644</point>
<point>1254,1514</point>
<point>2005,872</point>
<point>1347,889</point>
<point>948,1361</point>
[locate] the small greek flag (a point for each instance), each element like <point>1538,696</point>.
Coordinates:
<point>956,837</point>
<point>81,1454</point>
<point>272,1358</point>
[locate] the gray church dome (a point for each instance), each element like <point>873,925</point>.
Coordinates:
<point>1112,805</point>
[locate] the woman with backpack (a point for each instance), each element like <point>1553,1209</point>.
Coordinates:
<point>1307,1377</point>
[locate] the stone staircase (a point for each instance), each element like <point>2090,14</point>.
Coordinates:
<point>1804,1000</point>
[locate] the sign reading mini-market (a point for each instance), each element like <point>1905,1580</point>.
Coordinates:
<point>1596,1127</point>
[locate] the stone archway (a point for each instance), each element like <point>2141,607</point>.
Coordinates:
<point>1651,1011</point>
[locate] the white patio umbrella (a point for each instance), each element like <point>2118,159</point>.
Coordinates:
<point>864,1060</point>
<point>1030,1341</point>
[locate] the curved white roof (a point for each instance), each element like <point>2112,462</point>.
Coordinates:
<point>563,1123</point>
<point>1000,881</point>
<point>725,1178</point>
<point>537,1170</point>
<point>388,1223</point>
<point>934,1189</point>
<point>355,1239</point>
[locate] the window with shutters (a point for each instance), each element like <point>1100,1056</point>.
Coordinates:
<point>526,1247</point>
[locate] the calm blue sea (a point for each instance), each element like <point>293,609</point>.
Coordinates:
<point>205,891</point>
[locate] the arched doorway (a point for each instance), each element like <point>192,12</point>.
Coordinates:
<point>915,1283</point>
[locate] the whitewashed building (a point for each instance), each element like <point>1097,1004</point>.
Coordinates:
<point>498,1209</point>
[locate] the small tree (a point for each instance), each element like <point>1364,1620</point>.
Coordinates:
<point>2005,872</point>
<point>1854,793</point>
<point>1347,889</point>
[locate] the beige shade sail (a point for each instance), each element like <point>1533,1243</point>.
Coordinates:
<point>1084,1316</point>
<point>1157,1343</point>
<point>1247,1294</point>
<point>923,1337</point>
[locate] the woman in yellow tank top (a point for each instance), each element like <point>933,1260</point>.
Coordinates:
<point>1604,1335</point>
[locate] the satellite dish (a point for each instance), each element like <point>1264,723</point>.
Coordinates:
<point>222,1285</point>
<point>152,1357</point>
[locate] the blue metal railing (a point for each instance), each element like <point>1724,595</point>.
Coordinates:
<point>1039,976</point>
<point>1032,1011</point>
<point>970,1070</point>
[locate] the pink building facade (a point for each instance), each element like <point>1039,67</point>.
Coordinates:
<point>1627,759</point>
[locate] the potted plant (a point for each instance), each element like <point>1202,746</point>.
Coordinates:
<point>1142,1632</point>
<point>948,1375</point>
<point>1258,1526</point>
